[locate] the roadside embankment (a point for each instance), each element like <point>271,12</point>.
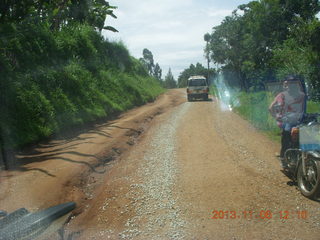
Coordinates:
<point>52,81</point>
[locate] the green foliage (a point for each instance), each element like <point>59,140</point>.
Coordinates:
<point>147,60</point>
<point>169,81</point>
<point>306,9</point>
<point>290,57</point>
<point>51,81</point>
<point>299,54</point>
<point>152,68</point>
<point>197,69</point>
<point>58,13</point>
<point>313,107</point>
<point>33,115</point>
<point>254,108</point>
<point>266,40</point>
<point>157,72</point>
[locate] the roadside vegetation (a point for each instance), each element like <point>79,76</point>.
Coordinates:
<point>57,71</point>
<point>169,81</point>
<point>155,70</point>
<point>192,70</point>
<point>264,41</point>
<point>254,108</point>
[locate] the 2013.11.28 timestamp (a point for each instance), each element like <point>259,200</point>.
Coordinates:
<point>261,214</point>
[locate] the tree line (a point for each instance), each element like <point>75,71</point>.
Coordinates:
<point>155,70</point>
<point>266,40</point>
<point>193,70</point>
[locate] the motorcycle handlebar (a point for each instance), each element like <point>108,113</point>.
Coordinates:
<point>310,117</point>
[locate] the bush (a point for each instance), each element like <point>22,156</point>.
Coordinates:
<point>55,80</point>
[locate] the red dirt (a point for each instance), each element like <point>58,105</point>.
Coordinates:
<point>221,163</point>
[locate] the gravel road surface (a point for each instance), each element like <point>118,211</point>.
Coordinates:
<point>170,170</point>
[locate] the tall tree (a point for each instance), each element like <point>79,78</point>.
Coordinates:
<point>169,81</point>
<point>207,38</point>
<point>244,43</point>
<point>147,60</point>
<point>157,72</point>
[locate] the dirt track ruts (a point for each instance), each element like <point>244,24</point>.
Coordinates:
<point>176,163</point>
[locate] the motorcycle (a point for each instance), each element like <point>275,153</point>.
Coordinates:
<point>302,159</point>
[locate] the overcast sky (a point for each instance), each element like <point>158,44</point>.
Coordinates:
<point>172,30</point>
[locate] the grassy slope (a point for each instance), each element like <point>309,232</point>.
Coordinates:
<point>63,79</point>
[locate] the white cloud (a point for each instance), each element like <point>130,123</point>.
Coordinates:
<point>172,30</point>
<point>218,13</point>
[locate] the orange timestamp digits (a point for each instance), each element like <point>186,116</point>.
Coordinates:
<point>262,214</point>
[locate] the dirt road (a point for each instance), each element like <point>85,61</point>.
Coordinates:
<point>168,170</point>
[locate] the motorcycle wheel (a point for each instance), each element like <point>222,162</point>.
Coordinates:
<point>309,185</point>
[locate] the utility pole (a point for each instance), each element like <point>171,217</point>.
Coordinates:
<point>208,67</point>
<point>207,38</point>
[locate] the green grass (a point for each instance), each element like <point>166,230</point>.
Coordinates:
<point>254,108</point>
<point>65,79</point>
<point>313,107</point>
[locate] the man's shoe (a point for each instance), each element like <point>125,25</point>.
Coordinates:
<point>284,165</point>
